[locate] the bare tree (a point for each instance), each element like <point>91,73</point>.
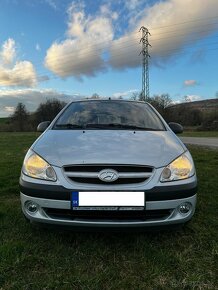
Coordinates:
<point>135,96</point>
<point>161,101</point>
<point>20,117</point>
<point>95,96</point>
<point>47,111</point>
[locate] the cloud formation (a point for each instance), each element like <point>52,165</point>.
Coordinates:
<point>9,109</point>
<point>192,98</point>
<point>14,72</point>
<point>91,40</point>
<point>124,94</point>
<point>8,52</point>
<point>80,54</point>
<point>30,97</point>
<point>190,83</point>
<point>38,48</point>
<point>167,38</point>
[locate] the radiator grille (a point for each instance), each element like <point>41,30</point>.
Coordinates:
<point>127,174</point>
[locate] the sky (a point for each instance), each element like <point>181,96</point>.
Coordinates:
<point>73,49</point>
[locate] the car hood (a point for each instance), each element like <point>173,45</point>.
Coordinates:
<point>65,147</point>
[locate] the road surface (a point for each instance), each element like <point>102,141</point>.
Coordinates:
<point>201,141</point>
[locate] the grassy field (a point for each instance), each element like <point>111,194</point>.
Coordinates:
<point>3,120</point>
<point>36,258</point>
<point>199,134</point>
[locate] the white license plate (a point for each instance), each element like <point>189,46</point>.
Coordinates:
<point>108,199</point>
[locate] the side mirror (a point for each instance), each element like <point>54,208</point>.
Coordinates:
<point>42,126</point>
<point>176,128</point>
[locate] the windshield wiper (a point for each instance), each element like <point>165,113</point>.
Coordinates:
<point>118,125</point>
<point>69,126</point>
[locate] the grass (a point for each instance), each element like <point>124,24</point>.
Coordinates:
<point>37,258</point>
<point>199,134</point>
<point>3,120</point>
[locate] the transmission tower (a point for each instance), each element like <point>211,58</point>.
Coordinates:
<point>145,63</point>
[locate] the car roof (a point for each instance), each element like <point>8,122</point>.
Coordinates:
<point>108,99</point>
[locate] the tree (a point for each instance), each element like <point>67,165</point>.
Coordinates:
<point>161,101</point>
<point>135,96</point>
<point>47,111</point>
<point>20,117</point>
<point>161,104</point>
<point>95,96</point>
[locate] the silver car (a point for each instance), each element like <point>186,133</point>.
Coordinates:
<point>108,163</point>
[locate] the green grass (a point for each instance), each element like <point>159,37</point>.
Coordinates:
<point>37,258</point>
<point>199,134</point>
<point>3,120</point>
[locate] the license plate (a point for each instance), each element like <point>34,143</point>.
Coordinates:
<point>108,200</point>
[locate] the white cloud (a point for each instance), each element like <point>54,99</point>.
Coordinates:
<point>190,83</point>
<point>21,74</point>
<point>38,48</point>
<point>80,54</point>
<point>52,4</point>
<point>192,98</point>
<point>124,94</point>
<point>169,38</point>
<point>187,99</point>
<point>14,72</point>
<point>133,4</point>
<point>106,11</point>
<point>8,52</point>
<point>9,109</point>
<point>90,39</point>
<point>30,97</point>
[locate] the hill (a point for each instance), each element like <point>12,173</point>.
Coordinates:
<point>210,105</point>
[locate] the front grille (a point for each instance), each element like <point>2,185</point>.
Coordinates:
<point>128,174</point>
<point>99,167</point>
<point>134,215</point>
<point>98,181</point>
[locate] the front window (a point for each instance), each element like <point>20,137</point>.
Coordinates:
<point>109,114</point>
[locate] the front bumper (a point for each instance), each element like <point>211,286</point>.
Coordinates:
<point>46,206</point>
<point>162,204</point>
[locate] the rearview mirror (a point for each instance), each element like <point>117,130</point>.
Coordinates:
<point>42,126</point>
<point>176,128</point>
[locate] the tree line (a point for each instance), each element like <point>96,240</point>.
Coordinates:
<point>22,120</point>
<point>183,113</point>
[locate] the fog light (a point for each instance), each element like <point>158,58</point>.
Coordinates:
<point>31,206</point>
<point>185,207</point>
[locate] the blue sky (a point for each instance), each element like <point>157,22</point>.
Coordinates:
<point>67,49</point>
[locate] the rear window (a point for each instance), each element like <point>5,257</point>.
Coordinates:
<point>109,114</point>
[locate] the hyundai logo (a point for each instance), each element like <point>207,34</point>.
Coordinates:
<point>108,175</point>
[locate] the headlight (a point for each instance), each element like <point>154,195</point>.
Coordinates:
<point>180,168</point>
<point>37,167</point>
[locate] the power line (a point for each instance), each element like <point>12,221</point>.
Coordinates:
<point>182,29</point>
<point>79,65</point>
<point>101,49</point>
<point>122,47</point>
<point>69,56</point>
<point>185,22</point>
<point>133,60</point>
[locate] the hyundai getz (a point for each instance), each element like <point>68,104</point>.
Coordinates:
<point>108,163</point>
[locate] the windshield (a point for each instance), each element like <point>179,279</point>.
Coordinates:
<point>109,115</point>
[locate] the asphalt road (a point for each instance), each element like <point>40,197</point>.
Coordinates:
<point>201,141</point>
